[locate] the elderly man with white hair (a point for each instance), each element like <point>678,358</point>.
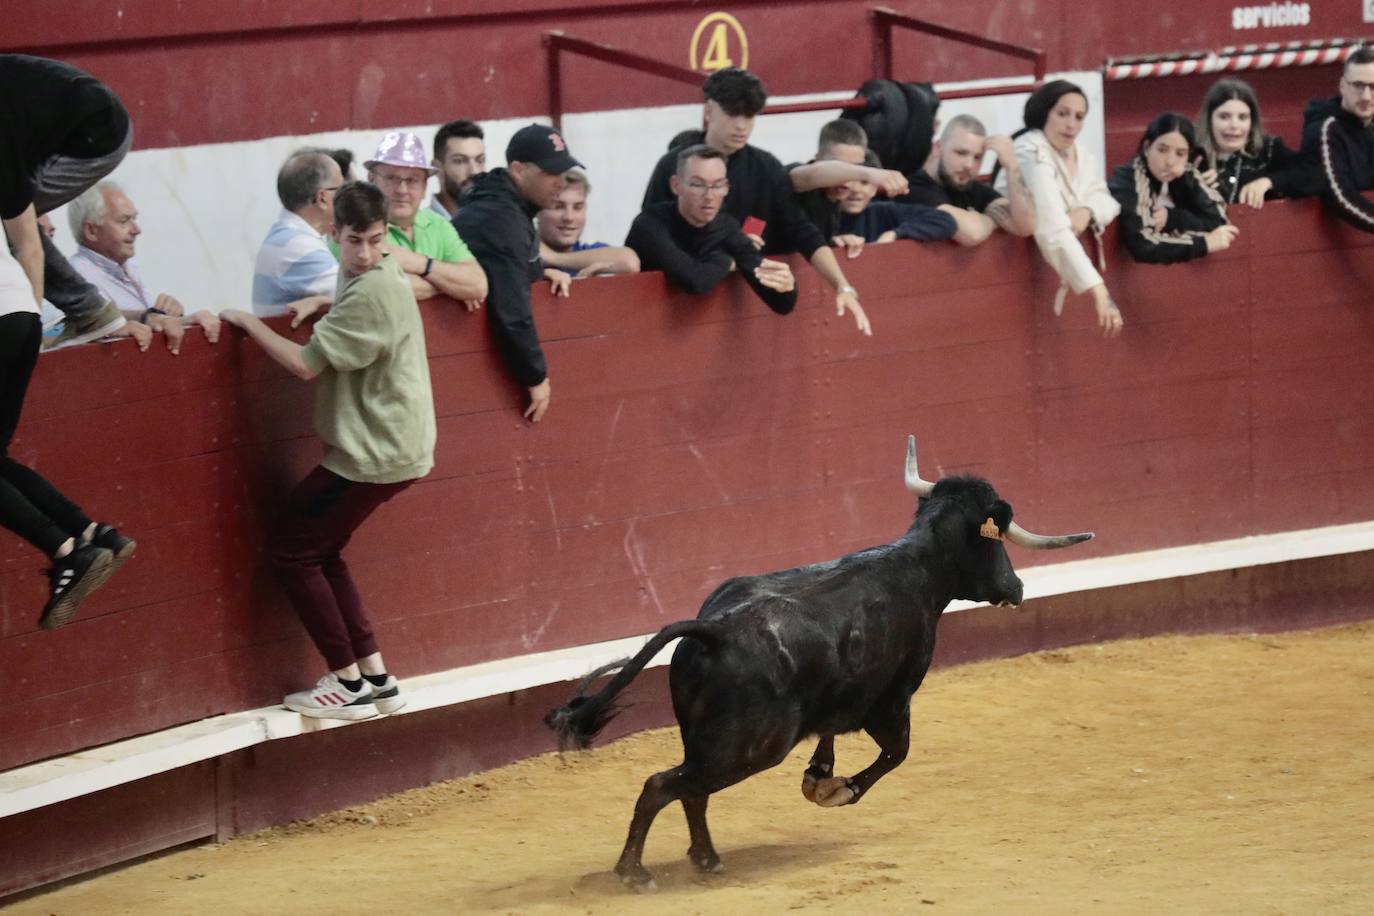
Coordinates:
<point>104,222</point>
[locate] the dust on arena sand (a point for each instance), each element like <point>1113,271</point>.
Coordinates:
<point>1209,774</point>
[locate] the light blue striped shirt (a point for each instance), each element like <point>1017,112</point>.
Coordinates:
<point>294,262</point>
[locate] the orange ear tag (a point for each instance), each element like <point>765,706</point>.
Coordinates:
<point>989,530</point>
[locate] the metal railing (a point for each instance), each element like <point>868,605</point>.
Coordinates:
<point>883,21</point>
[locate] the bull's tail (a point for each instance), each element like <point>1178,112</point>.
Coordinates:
<point>578,721</point>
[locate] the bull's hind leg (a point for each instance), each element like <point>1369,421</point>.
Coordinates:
<point>702,852</point>
<point>822,766</point>
<point>659,790</point>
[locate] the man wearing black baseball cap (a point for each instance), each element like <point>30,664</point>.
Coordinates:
<point>497,221</point>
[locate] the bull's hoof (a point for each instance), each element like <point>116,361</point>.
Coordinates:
<point>833,792</point>
<point>810,779</point>
<point>708,864</point>
<point>637,878</point>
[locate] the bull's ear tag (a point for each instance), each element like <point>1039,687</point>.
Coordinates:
<point>989,530</point>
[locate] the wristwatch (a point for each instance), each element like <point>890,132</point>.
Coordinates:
<point>429,265</point>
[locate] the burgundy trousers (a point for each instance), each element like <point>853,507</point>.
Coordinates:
<point>322,513</point>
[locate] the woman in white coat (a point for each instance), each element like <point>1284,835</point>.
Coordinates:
<point>1071,196</point>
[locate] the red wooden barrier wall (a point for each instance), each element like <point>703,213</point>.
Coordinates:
<point>689,440</point>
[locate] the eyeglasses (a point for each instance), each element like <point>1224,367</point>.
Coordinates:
<point>1359,87</point>
<point>333,187</point>
<point>702,189</point>
<point>404,181</point>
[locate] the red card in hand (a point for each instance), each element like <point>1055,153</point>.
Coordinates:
<point>754,226</point>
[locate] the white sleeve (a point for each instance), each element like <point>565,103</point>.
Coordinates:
<point>1053,232</point>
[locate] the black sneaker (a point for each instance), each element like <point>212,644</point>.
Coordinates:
<point>109,537</point>
<point>73,578</point>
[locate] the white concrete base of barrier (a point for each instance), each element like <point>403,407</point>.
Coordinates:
<point>40,784</point>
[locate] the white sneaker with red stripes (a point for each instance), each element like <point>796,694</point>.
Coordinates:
<point>330,699</point>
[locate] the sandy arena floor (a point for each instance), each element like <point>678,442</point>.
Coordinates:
<point>1198,775</point>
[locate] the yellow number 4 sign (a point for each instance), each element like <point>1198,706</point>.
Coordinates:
<point>717,29</point>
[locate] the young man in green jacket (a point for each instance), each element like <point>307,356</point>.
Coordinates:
<point>374,410</point>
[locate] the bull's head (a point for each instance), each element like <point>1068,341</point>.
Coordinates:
<point>986,520</point>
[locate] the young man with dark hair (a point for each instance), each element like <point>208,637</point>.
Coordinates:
<point>1338,147</point>
<point>374,411</point>
<point>861,220</point>
<point>696,243</point>
<point>497,220</point>
<point>760,189</point>
<point>460,155</point>
<point>841,152</point>
<point>950,181</point>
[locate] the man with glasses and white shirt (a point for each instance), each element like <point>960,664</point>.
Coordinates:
<point>1338,146</point>
<point>696,243</point>
<point>424,244</point>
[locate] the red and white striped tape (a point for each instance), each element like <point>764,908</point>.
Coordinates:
<point>1229,63</point>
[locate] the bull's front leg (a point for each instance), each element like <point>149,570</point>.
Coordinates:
<point>822,766</point>
<point>894,739</point>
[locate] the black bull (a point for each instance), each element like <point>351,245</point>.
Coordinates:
<point>818,650</point>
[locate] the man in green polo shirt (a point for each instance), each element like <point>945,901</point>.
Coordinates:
<point>424,244</point>
<point>374,411</point>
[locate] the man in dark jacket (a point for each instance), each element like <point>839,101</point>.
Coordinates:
<point>696,243</point>
<point>1338,146</point>
<point>760,189</point>
<point>61,131</point>
<point>497,221</point>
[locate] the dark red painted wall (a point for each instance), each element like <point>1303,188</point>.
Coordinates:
<point>196,71</point>
<point>689,440</point>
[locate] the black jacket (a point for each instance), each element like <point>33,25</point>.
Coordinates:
<point>759,186</point>
<point>498,225</point>
<point>1197,210</point>
<point>697,259</point>
<point>1239,169</point>
<point>1337,162</point>
<point>910,221</point>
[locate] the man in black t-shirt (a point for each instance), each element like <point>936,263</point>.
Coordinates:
<point>760,190</point>
<point>950,182</point>
<point>61,131</point>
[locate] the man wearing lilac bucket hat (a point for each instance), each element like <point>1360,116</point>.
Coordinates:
<point>424,244</point>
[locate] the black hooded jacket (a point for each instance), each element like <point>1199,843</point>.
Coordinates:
<point>1197,210</point>
<point>498,225</point>
<point>1337,162</point>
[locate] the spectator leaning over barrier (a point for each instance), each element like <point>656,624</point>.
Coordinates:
<point>760,190</point>
<point>839,159</point>
<point>1070,193</point>
<point>950,181</point>
<point>1338,146</point>
<point>374,409</point>
<point>560,234</point>
<point>1235,155</point>
<point>861,219</point>
<point>84,553</point>
<point>696,243</point>
<point>294,262</point>
<point>61,131</point>
<point>460,154</point>
<point>104,222</point>
<point>1168,213</point>
<point>425,245</point>
<point>497,219</point>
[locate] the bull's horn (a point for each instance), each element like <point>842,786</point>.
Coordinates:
<point>914,483</point>
<point>1023,538</point>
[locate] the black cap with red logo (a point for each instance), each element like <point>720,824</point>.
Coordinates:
<point>542,146</point>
